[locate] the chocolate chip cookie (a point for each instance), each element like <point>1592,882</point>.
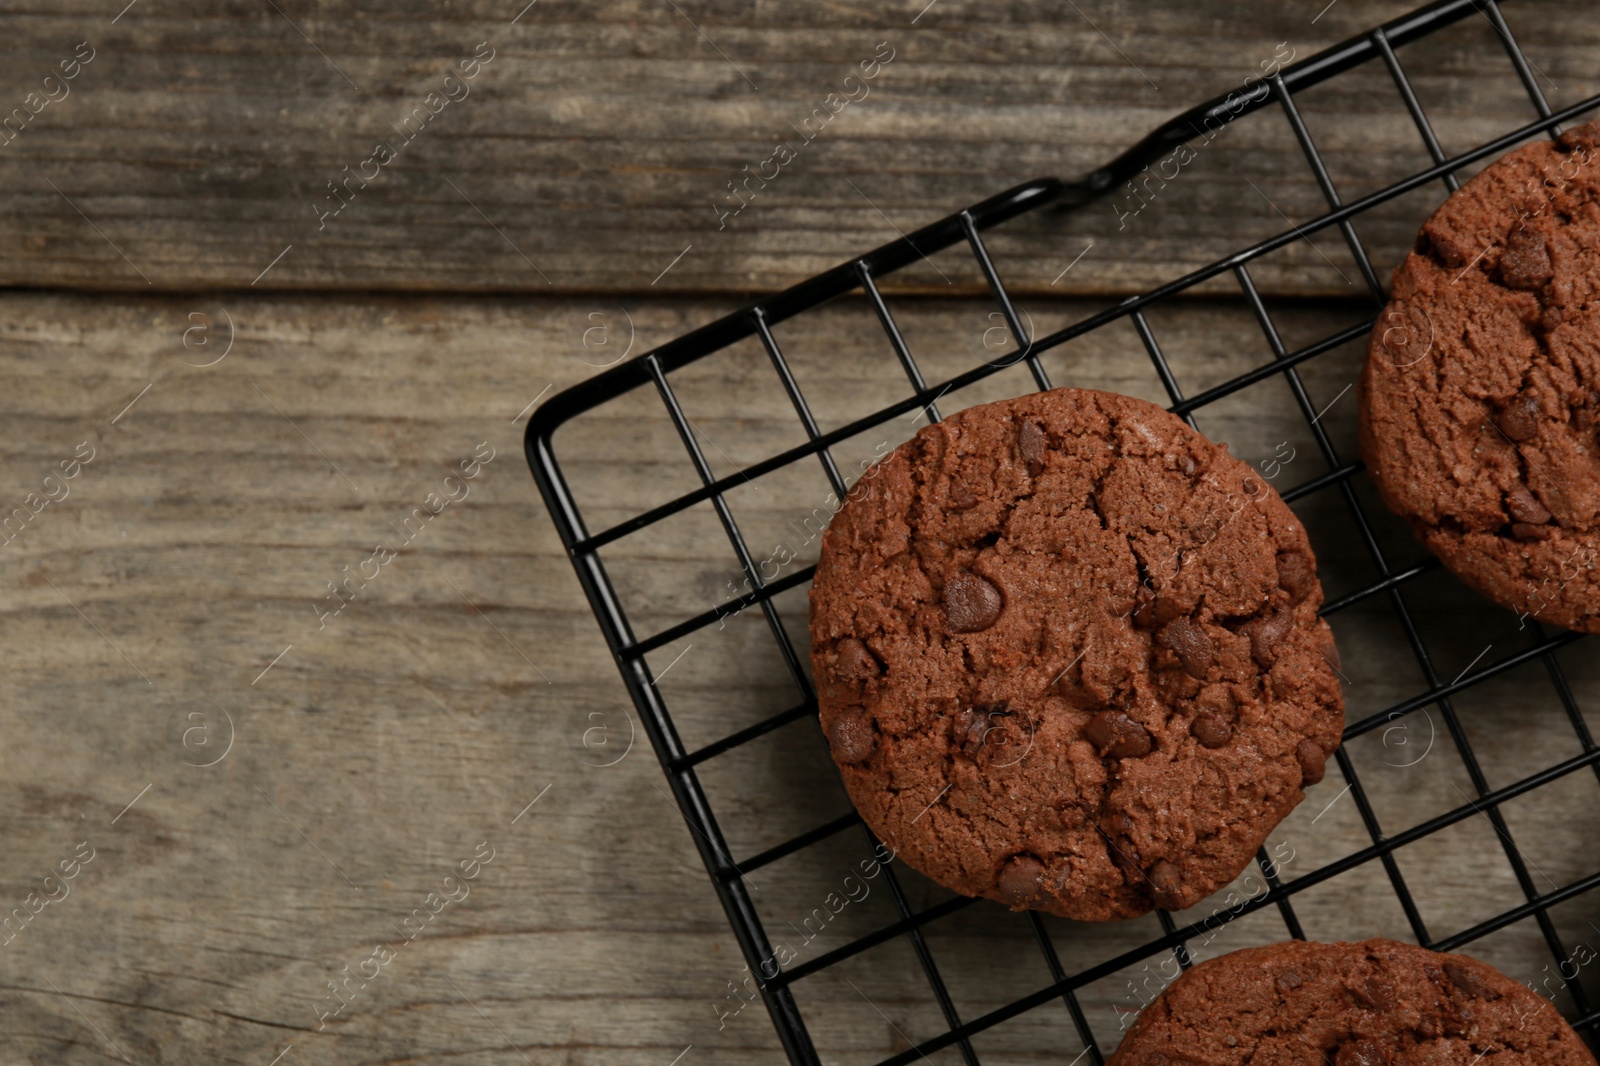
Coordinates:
<point>1480,399</point>
<point>1377,1003</point>
<point>1067,656</point>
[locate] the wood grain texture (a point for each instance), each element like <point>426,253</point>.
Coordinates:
<point>466,680</point>
<point>200,145</point>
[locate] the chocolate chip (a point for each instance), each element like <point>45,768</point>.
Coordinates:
<point>1287,981</point>
<point>1117,736</point>
<point>1021,880</point>
<point>853,662</point>
<point>1378,994</point>
<point>1360,1053</point>
<point>1296,574</point>
<point>971,603</point>
<point>1192,645</point>
<point>851,735</point>
<point>1211,731</point>
<point>1469,983</point>
<point>975,728</point>
<point>1526,262</point>
<point>1120,822</point>
<point>961,500</point>
<point>1525,507</point>
<point>1032,445</point>
<point>1519,418</point>
<point>1251,486</point>
<point>1330,652</point>
<point>1186,465</point>
<point>1266,633</point>
<point>1524,531</point>
<point>1166,885</point>
<point>1313,761</point>
<point>967,730</point>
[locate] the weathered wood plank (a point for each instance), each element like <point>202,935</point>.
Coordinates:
<point>600,143</point>
<point>145,612</point>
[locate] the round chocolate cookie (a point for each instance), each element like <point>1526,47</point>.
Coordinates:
<point>1067,656</point>
<point>1481,392</point>
<point>1377,1003</point>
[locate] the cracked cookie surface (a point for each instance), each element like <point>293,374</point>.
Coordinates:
<point>1481,390</point>
<point>1376,1003</point>
<point>1067,656</point>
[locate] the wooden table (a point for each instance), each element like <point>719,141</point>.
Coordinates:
<point>326,802</point>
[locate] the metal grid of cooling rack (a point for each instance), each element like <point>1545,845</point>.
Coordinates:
<point>654,369</point>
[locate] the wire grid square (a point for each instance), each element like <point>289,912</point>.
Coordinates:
<point>1380,849</point>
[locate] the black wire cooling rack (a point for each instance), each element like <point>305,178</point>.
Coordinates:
<point>654,371</point>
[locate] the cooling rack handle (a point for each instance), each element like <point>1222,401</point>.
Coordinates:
<point>1257,91</point>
